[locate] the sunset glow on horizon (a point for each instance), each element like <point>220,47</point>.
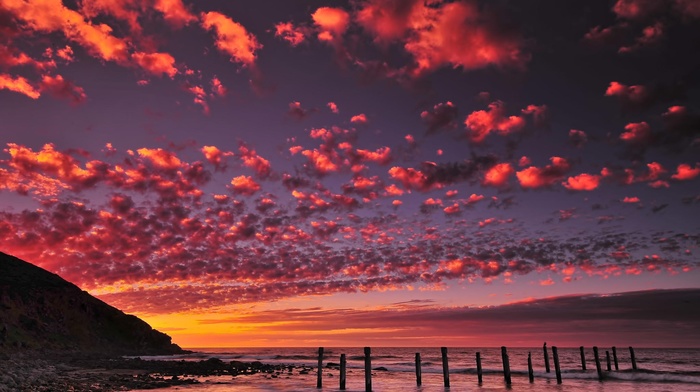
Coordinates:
<point>361,172</point>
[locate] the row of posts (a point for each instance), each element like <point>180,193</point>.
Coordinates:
<point>479,373</point>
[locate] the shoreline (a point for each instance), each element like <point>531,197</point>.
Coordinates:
<point>73,372</point>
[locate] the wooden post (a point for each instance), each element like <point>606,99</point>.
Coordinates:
<point>597,363</point>
<point>546,357</point>
<point>634,360</point>
<point>368,370</point>
<point>530,374</point>
<point>607,359</point>
<point>419,380</point>
<point>343,367</point>
<point>557,370</point>
<point>478,367</point>
<point>319,375</point>
<point>506,364</point>
<point>583,359</point>
<point>615,358</point>
<point>445,367</point>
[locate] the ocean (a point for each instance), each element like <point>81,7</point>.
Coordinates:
<point>676,370</point>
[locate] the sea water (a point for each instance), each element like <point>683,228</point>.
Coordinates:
<point>676,370</point>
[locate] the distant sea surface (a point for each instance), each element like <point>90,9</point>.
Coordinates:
<point>659,370</point>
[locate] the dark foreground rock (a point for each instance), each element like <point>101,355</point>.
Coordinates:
<point>80,374</point>
<point>41,311</point>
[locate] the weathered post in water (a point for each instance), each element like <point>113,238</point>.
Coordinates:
<point>343,366</point>
<point>506,365</point>
<point>615,358</point>
<point>419,380</point>
<point>607,359</point>
<point>583,359</point>
<point>530,374</point>
<point>478,367</point>
<point>546,357</point>
<point>368,370</point>
<point>445,367</point>
<point>634,360</point>
<point>557,370</point>
<point>319,374</point>
<point>597,363</point>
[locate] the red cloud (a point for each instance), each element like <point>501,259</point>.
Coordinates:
<point>582,182</point>
<point>577,138</point>
<point>650,35</point>
<point>289,33</point>
<point>636,9</point>
<point>412,179</point>
<point>62,88</point>
<point>481,123</point>
<point>254,161</point>
<point>631,93</point>
<point>540,114</point>
<point>498,175</point>
<point>381,156</point>
<point>686,172</point>
<point>636,133</point>
<point>232,38</point>
<point>359,119</point>
<point>333,107</point>
<point>442,116</point>
<point>217,88</point>
<point>453,209</point>
<point>631,200</point>
<point>534,177</point>
<point>441,34</point>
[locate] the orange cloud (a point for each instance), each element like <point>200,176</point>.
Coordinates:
<point>18,84</point>
<point>244,185</point>
<point>156,63</point>
<point>332,22</point>
<point>160,158</point>
<point>51,15</point>
<point>582,182</point>
<point>232,38</point>
<point>174,12</point>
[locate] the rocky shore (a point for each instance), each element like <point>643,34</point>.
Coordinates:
<point>120,374</point>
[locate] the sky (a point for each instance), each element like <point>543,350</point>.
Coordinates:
<point>364,172</point>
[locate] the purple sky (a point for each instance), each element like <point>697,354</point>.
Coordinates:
<point>185,161</point>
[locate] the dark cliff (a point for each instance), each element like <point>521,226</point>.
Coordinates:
<point>39,311</point>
